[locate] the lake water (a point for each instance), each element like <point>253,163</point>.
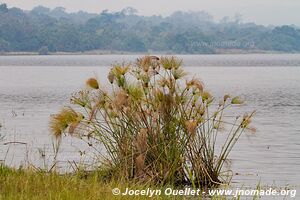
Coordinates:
<point>33,87</point>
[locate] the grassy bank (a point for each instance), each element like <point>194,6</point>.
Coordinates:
<point>30,184</point>
<point>21,184</point>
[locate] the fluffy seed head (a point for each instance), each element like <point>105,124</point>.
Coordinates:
<point>237,100</point>
<point>93,83</point>
<point>111,77</point>
<point>191,126</point>
<point>60,122</point>
<point>121,100</point>
<point>196,83</point>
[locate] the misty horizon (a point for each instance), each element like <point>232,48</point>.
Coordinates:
<point>253,12</point>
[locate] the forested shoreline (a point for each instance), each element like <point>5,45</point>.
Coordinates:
<point>45,31</point>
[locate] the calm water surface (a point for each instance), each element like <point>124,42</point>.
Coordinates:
<point>33,87</point>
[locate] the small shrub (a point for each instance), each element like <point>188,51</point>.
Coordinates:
<point>155,126</point>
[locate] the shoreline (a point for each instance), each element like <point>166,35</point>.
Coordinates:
<point>218,52</point>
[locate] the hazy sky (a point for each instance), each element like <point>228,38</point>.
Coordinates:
<point>260,11</point>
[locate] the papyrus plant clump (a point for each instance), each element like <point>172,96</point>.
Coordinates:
<point>155,124</point>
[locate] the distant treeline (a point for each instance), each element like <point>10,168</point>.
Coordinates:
<point>44,30</point>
